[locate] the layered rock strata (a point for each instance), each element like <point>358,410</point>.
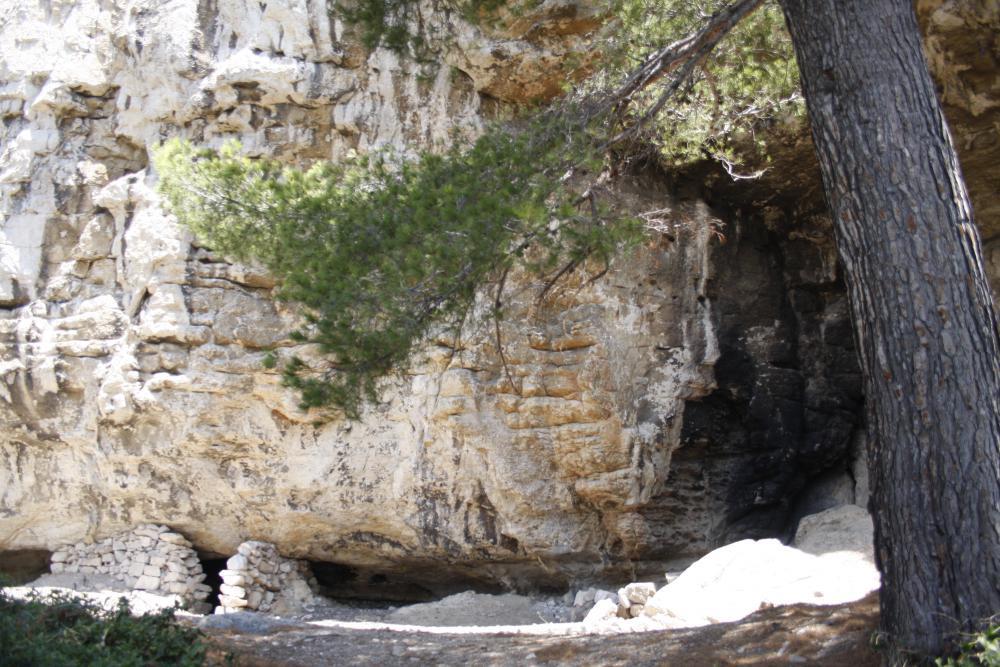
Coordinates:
<point>683,400</point>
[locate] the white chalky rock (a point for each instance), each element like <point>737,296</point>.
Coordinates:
<point>638,593</point>
<point>623,602</point>
<point>237,562</point>
<point>233,578</point>
<point>736,580</point>
<point>847,528</point>
<point>605,595</point>
<point>227,601</point>
<point>233,591</point>
<point>603,611</point>
<point>174,538</point>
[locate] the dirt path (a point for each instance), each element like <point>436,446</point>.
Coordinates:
<point>834,636</point>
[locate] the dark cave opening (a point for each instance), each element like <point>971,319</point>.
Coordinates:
<point>212,566</point>
<point>343,582</point>
<point>23,566</point>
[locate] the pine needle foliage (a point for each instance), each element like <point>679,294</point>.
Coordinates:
<point>377,252</point>
<point>746,86</point>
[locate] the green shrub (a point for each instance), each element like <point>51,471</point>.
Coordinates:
<point>381,252</point>
<point>982,650</point>
<point>62,631</point>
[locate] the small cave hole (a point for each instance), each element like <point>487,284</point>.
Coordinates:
<point>345,583</point>
<point>23,566</point>
<point>212,566</point>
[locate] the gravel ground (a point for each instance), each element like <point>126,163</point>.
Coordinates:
<point>835,636</point>
<point>475,629</point>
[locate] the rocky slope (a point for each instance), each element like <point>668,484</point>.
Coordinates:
<point>686,399</point>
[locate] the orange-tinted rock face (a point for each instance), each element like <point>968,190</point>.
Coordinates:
<point>683,399</point>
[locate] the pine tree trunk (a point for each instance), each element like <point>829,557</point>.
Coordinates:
<point>924,321</point>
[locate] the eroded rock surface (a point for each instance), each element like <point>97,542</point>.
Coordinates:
<point>681,401</point>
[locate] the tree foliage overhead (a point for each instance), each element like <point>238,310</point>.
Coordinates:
<point>380,252</point>
<point>745,85</point>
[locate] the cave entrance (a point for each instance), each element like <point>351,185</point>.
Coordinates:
<point>394,585</point>
<point>212,565</point>
<point>23,566</point>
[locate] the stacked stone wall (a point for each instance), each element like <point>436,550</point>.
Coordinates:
<point>257,578</point>
<point>150,558</point>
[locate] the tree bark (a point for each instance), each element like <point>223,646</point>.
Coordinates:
<point>924,322</point>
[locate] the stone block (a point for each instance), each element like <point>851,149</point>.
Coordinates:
<point>147,583</point>
<point>174,538</point>
<point>237,562</point>
<point>227,601</point>
<point>605,595</point>
<point>151,571</point>
<point>638,593</point>
<point>603,611</point>
<point>233,591</point>
<point>233,578</point>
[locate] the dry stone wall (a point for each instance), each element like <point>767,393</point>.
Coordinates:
<point>257,578</point>
<point>149,558</point>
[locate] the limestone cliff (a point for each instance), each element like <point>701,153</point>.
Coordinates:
<point>684,399</point>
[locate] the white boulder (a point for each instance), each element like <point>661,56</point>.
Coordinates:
<point>740,578</point>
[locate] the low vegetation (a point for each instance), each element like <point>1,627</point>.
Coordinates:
<point>63,631</point>
<point>981,650</point>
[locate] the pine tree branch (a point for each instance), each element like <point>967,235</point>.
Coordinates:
<point>683,56</point>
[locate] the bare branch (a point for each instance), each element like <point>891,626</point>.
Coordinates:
<point>683,56</point>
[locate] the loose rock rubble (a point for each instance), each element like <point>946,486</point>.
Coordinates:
<point>150,558</point>
<point>257,578</point>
